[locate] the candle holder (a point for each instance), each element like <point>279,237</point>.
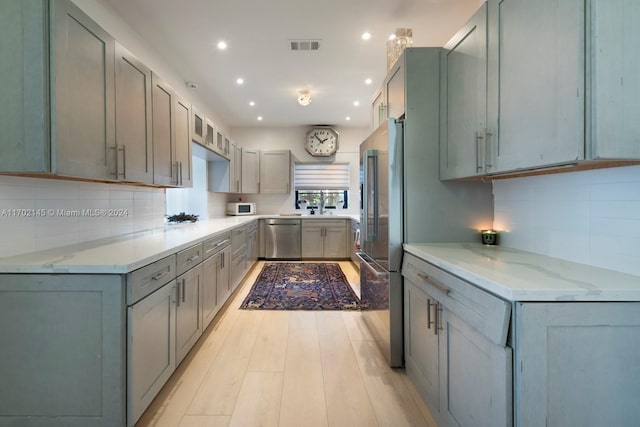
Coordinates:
<point>489,237</point>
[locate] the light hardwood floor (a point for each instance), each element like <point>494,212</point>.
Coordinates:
<point>286,368</point>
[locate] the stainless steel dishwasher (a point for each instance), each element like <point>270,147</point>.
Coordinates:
<point>282,239</point>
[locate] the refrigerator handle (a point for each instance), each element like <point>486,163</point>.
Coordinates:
<point>365,260</point>
<point>370,172</point>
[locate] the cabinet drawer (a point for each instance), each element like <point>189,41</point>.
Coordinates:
<point>214,244</point>
<point>486,313</point>
<point>324,223</point>
<point>147,279</point>
<point>238,238</point>
<point>188,258</point>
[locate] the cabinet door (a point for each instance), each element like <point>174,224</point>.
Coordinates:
<point>188,318</point>
<point>24,140</point>
<point>198,128</point>
<point>210,303</point>
<point>312,242</point>
<point>275,172</point>
<point>475,376</point>
<point>615,79</point>
<point>378,110</point>
<point>210,134</point>
<point>224,275</point>
<point>250,171</point>
<point>164,162</point>
<point>394,90</point>
<point>151,348</point>
<point>577,364</point>
<point>183,143</point>
<point>235,172</point>
<point>84,95</point>
<point>540,72</point>
<point>421,344</point>
<point>132,157</point>
<point>464,100</point>
<point>335,242</point>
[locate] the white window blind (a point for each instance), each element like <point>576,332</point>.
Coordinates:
<point>321,176</point>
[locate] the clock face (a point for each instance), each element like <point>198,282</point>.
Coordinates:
<point>322,142</point>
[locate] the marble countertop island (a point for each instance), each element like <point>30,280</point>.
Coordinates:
<point>524,276</point>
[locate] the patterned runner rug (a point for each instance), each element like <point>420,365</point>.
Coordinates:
<point>301,286</point>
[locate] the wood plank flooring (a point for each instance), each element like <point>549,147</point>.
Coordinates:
<point>286,368</point>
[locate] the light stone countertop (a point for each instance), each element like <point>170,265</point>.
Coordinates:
<point>123,254</point>
<point>524,276</point>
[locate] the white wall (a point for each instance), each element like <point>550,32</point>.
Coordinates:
<point>292,138</point>
<point>591,217</point>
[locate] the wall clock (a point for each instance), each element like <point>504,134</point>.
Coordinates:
<point>321,141</point>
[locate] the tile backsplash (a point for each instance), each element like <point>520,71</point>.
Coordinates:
<point>37,214</point>
<point>591,217</point>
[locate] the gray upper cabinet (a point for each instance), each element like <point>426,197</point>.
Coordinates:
<point>183,143</point>
<point>378,111</point>
<point>164,163</point>
<point>24,140</point>
<point>235,167</point>
<point>394,91</point>
<point>464,132</point>
<point>250,180</point>
<point>83,95</point>
<point>539,61</point>
<point>561,79</point>
<point>79,77</point>
<point>198,126</point>
<point>133,151</point>
<point>615,79</point>
<point>275,172</point>
<point>171,136</point>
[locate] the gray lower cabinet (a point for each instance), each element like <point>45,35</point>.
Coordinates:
<point>215,276</point>
<point>188,311</point>
<point>455,347</point>
<point>151,348</point>
<point>577,364</point>
<point>238,255</point>
<point>324,239</point>
<point>63,354</point>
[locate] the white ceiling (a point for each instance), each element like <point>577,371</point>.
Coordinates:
<point>186,32</point>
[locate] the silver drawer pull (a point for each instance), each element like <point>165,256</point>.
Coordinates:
<point>159,275</point>
<point>435,284</point>
<point>193,257</point>
<point>222,243</point>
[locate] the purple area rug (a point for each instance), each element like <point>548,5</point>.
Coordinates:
<point>301,286</point>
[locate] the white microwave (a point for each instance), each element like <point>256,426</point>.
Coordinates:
<point>241,208</point>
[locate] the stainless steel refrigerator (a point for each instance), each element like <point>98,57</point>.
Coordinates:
<point>381,237</point>
<point>403,199</point>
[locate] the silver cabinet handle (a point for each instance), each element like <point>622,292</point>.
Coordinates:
<point>435,284</point>
<point>429,322</point>
<point>480,163</point>
<point>193,257</point>
<point>177,301</point>
<point>488,155</point>
<point>438,324</point>
<point>159,275</point>
<point>124,161</point>
<point>184,291</point>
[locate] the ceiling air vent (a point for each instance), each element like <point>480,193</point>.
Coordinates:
<point>304,45</point>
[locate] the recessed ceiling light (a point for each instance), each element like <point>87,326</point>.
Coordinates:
<point>259,118</point>
<point>222,45</point>
<point>347,118</point>
<point>366,36</point>
<point>368,81</point>
<point>356,103</point>
<point>240,80</point>
<point>251,103</point>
